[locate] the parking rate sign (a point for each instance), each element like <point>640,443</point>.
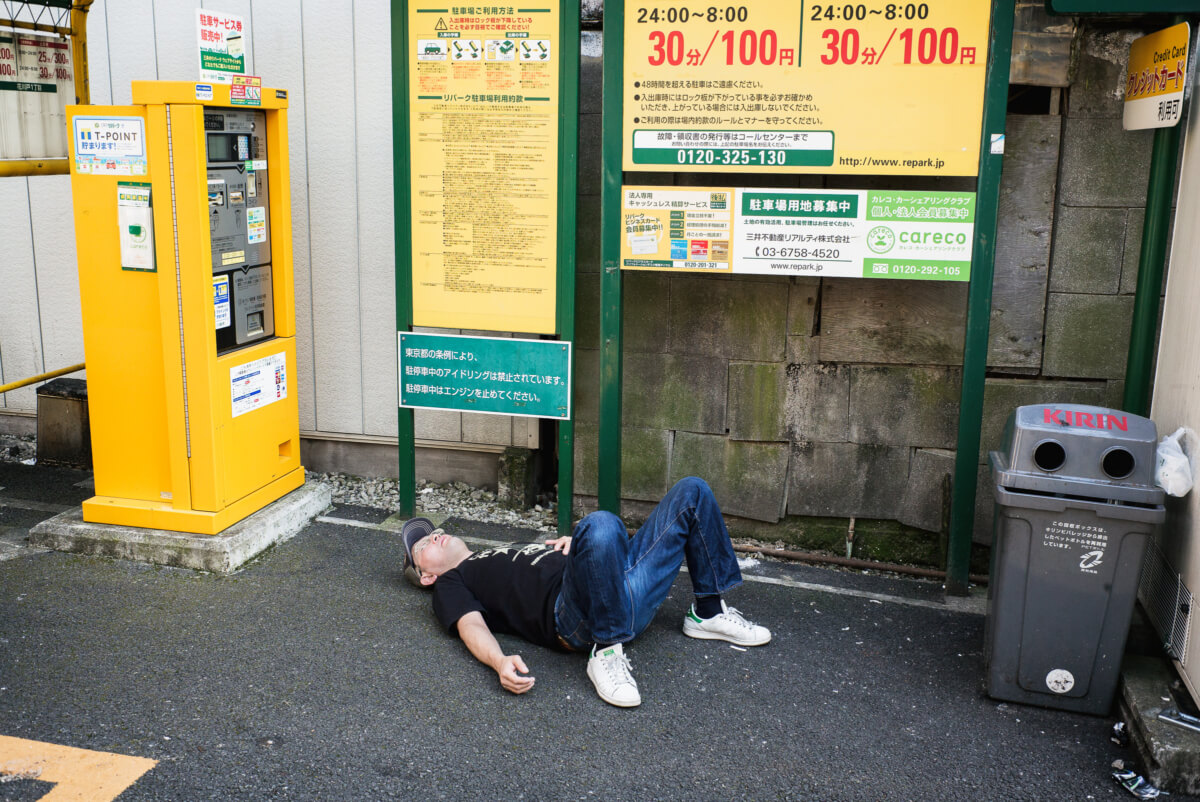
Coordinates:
<point>768,87</point>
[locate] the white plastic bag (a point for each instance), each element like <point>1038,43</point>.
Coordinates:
<point>1174,471</point>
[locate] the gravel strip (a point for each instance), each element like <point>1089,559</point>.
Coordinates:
<point>456,499</point>
<point>18,448</point>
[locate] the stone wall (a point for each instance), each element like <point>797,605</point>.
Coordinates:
<point>799,397</point>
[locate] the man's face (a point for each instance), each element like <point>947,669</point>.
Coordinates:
<point>437,553</point>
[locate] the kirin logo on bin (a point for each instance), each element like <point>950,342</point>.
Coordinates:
<point>1067,417</point>
<point>1090,561</point>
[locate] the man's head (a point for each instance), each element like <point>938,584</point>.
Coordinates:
<point>429,552</point>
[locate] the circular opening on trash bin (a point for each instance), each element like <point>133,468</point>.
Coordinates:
<point>1117,463</point>
<point>1049,455</point>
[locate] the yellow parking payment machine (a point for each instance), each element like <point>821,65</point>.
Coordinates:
<point>183,234</point>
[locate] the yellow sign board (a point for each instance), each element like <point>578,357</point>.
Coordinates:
<point>483,132</point>
<point>770,87</point>
<point>1156,78</point>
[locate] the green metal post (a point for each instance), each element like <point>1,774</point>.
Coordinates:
<point>568,164</point>
<point>407,467</point>
<point>979,302</point>
<point>609,446</point>
<point>1151,262</point>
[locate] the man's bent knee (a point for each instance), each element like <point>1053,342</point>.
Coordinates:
<point>599,527</point>
<point>694,486</point>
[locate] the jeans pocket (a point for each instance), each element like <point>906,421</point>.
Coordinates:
<point>570,625</point>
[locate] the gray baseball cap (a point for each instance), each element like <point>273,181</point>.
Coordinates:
<point>413,530</point>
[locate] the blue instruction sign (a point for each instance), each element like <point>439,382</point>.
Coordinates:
<point>497,375</point>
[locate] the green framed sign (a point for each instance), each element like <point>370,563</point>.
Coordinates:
<point>497,375</point>
<point>516,60</point>
<point>1119,6</point>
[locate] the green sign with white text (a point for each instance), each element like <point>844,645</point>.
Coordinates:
<point>498,375</point>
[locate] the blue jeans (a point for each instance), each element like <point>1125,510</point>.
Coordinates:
<point>614,584</point>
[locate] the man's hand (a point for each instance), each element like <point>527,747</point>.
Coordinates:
<point>513,674</point>
<point>562,544</point>
<point>482,643</point>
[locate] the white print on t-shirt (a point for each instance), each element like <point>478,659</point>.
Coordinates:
<point>532,548</point>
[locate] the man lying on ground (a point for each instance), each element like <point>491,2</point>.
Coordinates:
<point>593,591</point>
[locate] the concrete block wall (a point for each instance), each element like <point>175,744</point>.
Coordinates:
<point>799,397</point>
<point>793,397</point>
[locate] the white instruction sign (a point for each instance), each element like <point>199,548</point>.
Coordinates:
<point>257,384</point>
<point>221,301</point>
<point>136,223</point>
<point>843,233</point>
<point>256,225</point>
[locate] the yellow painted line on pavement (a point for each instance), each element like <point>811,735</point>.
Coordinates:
<point>79,775</point>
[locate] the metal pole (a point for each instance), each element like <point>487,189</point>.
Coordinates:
<point>83,86</point>
<point>41,377</point>
<point>402,234</point>
<point>1151,263</point>
<point>609,446</point>
<point>979,302</point>
<point>568,163</point>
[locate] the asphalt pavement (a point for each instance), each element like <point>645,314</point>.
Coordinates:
<point>317,673</point>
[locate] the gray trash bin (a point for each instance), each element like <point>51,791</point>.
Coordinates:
<point>1076,505</point>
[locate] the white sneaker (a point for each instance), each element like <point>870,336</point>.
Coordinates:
<point>608,669</point>
<point>727,625</point>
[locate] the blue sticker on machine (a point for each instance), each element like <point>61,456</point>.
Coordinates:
<point>221,310</point>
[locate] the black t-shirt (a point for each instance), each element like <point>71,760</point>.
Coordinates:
<point>514,587</point>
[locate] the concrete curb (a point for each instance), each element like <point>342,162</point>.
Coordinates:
<point>1169,754</point>
<point>222,553</point>
<point>396,522</point>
